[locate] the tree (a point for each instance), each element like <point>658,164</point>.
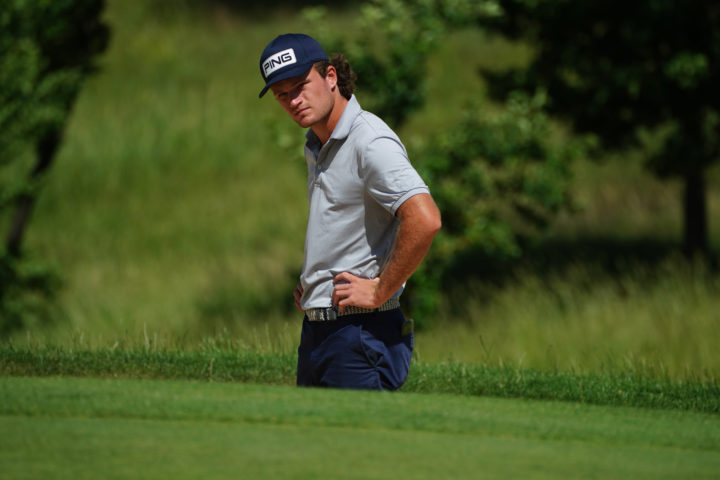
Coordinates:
<point>391,64</point>
<point>497,179</point>
<point>47,48</point>
<point>635,74</point>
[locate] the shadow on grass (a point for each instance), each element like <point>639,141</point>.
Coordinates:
<point>607,255</point>
<point>230,302</point>
<point>583,262</point>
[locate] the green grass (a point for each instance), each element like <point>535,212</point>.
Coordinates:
<point>662,320</point>
<point>176,214</point>
<point>91,428</point>
<point>163,189</point>
<point>213,364</point>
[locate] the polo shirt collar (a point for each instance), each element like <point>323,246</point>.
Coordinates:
<point>342,129</point>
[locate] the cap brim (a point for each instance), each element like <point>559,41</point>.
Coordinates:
<point>294,71</point>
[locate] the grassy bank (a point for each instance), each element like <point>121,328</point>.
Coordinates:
<point>176,213</point>
<point>660,318</point>
<point>456,378</point>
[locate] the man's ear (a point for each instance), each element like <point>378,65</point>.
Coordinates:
<point>331,77</point>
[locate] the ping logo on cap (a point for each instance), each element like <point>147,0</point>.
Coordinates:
<point>279,60</point>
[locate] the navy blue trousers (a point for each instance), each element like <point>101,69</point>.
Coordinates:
<point>364,351</point>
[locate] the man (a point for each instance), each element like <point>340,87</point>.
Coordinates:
<point>371,221</point>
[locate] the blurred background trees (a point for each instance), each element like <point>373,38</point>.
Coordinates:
<point>177,212</point>
<point>498,178</point>
<point>621,76</point>
<point>633,74</point>
<point>47,48</point>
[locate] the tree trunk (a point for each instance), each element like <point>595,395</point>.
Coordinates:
<point>695,231</point>
<point>46,149</point>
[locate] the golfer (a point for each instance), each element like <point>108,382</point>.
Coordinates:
<point>371,221</point>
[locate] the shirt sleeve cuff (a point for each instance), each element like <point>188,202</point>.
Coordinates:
<point>408,194</point>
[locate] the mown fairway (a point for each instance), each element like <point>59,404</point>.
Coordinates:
<point>111,428</point>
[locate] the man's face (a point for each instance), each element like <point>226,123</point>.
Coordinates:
<point>307,98</point>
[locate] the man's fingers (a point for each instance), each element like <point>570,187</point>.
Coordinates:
<point>353,290</point>
<point>342,287</point>
<point>340,292</point>
<point>344,277</point>
<point>297,294</point>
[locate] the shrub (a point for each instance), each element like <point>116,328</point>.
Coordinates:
<point>47,48</point>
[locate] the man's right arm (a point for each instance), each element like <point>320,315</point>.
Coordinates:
<point>419,222</point>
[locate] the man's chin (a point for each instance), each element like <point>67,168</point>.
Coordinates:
<point>304,122</point>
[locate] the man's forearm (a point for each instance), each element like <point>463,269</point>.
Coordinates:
<point>419,222</point>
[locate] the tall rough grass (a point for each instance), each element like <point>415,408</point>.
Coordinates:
<point>662,321</point>
<point>176,215</point>
<point>171,185</point>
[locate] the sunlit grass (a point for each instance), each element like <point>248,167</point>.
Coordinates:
<point>176,216</point>
<point>170,181</point>
<point>64,427</point>
<point>662,322</point>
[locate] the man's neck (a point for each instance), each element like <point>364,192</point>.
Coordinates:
<point>324,129</point>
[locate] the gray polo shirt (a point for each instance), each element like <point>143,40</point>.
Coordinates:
<point>356,183</point>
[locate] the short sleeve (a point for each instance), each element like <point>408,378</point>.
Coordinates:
<point>389,176</point>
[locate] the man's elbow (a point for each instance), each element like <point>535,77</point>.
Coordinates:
<point>422,214</point>
<point>435,223</point>
<point>432,221</point>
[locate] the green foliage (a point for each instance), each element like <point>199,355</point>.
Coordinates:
<point>26,294</point>
<point>496,178</point>
<point>391,65</point>
<point>48,47</point>
<point>498,181</point>
<point>614,68</point>
<point>177,189</point>
<point>19,69</point>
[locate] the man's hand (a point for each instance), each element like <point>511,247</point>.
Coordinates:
<point>297,293</point>
<point>419,222</point>
<point>356,291</point>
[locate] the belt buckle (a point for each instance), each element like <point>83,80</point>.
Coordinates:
<point>325,314</point>
<point>330,314</point>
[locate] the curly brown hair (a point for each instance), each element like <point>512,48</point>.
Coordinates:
<point>346,76</point>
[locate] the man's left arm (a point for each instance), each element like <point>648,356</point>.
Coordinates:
<point>419,222</point>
